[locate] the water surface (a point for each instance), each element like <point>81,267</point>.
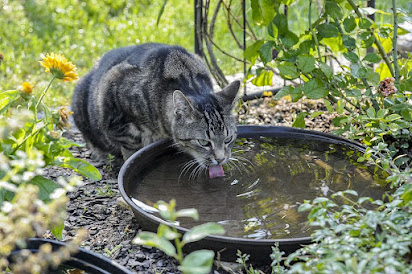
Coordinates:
<point>263,188</point>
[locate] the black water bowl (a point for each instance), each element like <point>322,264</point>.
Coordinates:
<point>82,259</point>
<point>275,169</point>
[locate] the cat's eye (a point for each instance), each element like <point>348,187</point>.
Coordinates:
<point>203,142</point>
<point>228,139</point>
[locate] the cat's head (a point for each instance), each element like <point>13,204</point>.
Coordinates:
<point>204,125</point>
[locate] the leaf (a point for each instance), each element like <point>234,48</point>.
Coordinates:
<point>265,52</point>
<point>82,167</point>
<point>263,11</point>
<point>281,23</point>
<point>5,195</point>
<point>328,30</point>
<point>348,42</point>
<point>7,98</point>
<point>306,63</point>
<point>188,212</point>
<point>199,262</point>
<point>57,231</point>
<point>351,56</point>
<point>349,23</point>
<point>316,114</point>
<point>252,52</point>
<point>372,58</point>
<point>296,93</point>
<point>46,187</point>
<point>315,89</point>
<point>263,79</point>
<point>365,23</point>
<point>285,91</point>
<point>300,120</point>
<point>333,10</point>
<point>328,105</point>
<point>289,39</point>
<point>151,239</point>
<point>304,207</point>
<point>165,231</point>
<point>340,106</point>
<point>326,69</point>
<point>353,93</point>
<point>358,71</point>
<point>288,70</point>
<point>381,113</point>
<point>162,9</point>
<point>201,231</point>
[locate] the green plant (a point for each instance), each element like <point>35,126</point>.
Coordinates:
<point>371,94</point>
<point>31,140</point>
<point>199,261</point>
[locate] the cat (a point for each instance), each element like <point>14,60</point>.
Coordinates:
<point>136,95</point>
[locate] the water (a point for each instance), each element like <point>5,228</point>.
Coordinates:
<point>259,196</point>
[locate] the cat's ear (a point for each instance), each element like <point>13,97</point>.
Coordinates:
<point>182,105</point>
<point>227,96</point>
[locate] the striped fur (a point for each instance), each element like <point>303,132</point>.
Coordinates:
<point>139,94</point>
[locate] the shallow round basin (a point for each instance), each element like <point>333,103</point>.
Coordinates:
<point>273,170</point>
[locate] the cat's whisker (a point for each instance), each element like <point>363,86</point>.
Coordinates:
<point>186,167</point>
<point>241,159</point>
<point>233,163</point>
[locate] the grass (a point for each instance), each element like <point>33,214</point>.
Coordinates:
<point>84,30</point>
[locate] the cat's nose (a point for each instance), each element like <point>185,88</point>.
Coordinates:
<point>220,160</point>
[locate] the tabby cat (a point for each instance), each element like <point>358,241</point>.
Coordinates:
<point>136,95</point>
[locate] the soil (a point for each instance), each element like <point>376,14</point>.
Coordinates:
<point>111,227</point>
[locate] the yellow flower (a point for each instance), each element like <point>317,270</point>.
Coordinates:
<point>267,94</point>
<point>27,88</point>
<point>59,66</point>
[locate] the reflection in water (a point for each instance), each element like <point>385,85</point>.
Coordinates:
<point>262,190</point>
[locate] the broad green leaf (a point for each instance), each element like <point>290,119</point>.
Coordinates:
<point>265,52</point>
<point>57,231</point>
<point>288,70</point>
<point>165,231</point>
<point>358,71</point>
<point>272,30</point>
<point>372,58</point>
<point>353,93</point>
<point>304,207</point>
<point>151,239</point>
<point>351,56</point>
<point>365,23</point>
<point>263,79</point>
<point>371,112</point>
<point>285,91</point>
<point>82,167</point>
<point>372,77</point>
<point>349,23</point>
<point>316,114</point>
<point>319,200</point>
<point>328,30</point>
<point>306,63</point>
<point>333,10</point>
<point>381,113</point>
<point>263,11</point>
<point>366,38</point>
<point>289,39</point>
<point>306,46</point>
<point>407,194</point>
<point>5,195</point>
<point>296,93</point>
<point>281,23</point>
<point>252,52</point>
<point>348,42</point>
<point>46,187</point>
<point>300,120</point>
<point>328,105</point>
<point>188,212</point>
<point>199,262</point>
<point>326,69</point>
<point>201,231</point>
<point>315,89</point>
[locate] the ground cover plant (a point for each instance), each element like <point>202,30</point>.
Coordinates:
<point>370,92</point>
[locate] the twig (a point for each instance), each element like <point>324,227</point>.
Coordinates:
<point>251,33</point>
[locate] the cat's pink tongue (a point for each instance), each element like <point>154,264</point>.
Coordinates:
<point>216,171</point>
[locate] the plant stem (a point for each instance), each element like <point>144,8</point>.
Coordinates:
<point>42,95</point>
<point>28,136</point>
<point>315,38</point>
<point>395,42</point>
<point>377,42</point>
<point>179,249</point>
